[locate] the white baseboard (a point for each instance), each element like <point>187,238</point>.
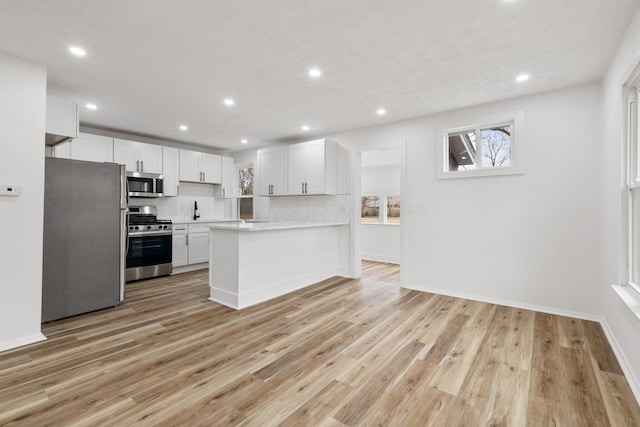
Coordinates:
<point>381,258</point>
<point>508,303</point>
<point>622,359</point>
<point>223,297</point>
<point>188,268</point>
<point>624,363</point>
<point>265,293</point>
<point>19,342</point>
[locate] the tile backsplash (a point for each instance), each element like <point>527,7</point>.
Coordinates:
<point>306,208</point>
<point>180,208</point>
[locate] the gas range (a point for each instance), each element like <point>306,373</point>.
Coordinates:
<point>144,222</point>
<point>149,250</point>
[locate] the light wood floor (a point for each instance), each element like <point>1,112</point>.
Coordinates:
<point>342,352</point>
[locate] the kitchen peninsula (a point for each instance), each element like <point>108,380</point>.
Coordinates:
<point>254,261</point>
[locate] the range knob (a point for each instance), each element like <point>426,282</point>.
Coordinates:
<point>148,227</point>
<point>137,228</point>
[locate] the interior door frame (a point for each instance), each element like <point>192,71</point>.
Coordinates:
<point>356,229</point>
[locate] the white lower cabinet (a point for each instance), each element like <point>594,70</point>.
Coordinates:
<point>190,246</point>
<point>198,247</point>
<point>179,249</point>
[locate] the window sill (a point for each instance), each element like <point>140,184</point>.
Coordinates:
<point>630,297</point>
<point>380,223</point>
<point>481,173</point>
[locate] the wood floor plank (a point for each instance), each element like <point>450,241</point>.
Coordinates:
<point>402,399</point>
<point>339,353</point>
<point>618,399</point>
<point>355,409</point>
<point>600,349</point>
<point>586,406</point>
<point>546,398</point>
<point>475,396</point>
<point>318,407</point>
<point>509,402</point>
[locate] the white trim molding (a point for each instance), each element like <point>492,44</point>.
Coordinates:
<point>517,144</point>
<point>22,341</point>
<point>633,381</point>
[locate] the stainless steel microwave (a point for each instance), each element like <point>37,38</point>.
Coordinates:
<point>143,184</point>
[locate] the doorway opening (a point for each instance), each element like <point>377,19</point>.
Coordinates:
<point>379,219</point>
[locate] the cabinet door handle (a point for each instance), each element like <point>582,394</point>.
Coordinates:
<point>187,240</point>
<point>141,165</point>
<point>303,188</point>
<point>223,192</point>
<point>137,165</point>
<point>178,190</point>
<point>204,176</point>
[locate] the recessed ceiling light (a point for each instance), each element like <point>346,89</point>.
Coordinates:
<point>244,141</point>
<point>184,127</point>
<point>463,157</point>
<point>78,51</point>
<point>522,78</point>
<point>305,128</point>
<point>229,102</point>
<point>381,111</point>
<point>92,106</point>
<point>315,73</point>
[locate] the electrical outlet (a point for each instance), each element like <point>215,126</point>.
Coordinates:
<point>9,190</point>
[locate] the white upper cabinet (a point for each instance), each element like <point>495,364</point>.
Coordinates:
<point>138,156</point>
<point>92,148</point>
<point>62,150</point>
<point>61,119</point>
<point>170,171</point>
<point>272,171</point>
<point>225,189</point>
<point>200,167</point>
<point>211,168</point>
<point>312,167</point>
<point>190,166</point>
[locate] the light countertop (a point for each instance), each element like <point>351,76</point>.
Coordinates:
<point>263,225</point>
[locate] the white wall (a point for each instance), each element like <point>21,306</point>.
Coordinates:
<point>380,242</point>
<point>624,327</point>
<point>529,240</point>
<point>22,120</point>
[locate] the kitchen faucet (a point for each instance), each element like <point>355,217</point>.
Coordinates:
<point>196,214</point>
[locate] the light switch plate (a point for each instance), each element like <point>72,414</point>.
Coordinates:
<point>9,190</point>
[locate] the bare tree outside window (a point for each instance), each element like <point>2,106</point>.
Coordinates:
<point>245,187</point>
<point>496,146</point>
<point>370,210</point>
<point>245,181</point>
<point>393,209</point>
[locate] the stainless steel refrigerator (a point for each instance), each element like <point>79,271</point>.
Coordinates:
<point>85,237</point>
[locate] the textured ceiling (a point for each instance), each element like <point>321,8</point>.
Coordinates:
<point>155,64</point>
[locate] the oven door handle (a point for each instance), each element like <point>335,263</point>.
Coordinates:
<point>150,233</point>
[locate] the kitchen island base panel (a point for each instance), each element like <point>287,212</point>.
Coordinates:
<point>247,268</point>
<point>247,299</point>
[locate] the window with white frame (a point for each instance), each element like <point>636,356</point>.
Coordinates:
<point>633,190</point>
<point>482,146</point>
<point>245,192</point>
<point>370,212</point>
